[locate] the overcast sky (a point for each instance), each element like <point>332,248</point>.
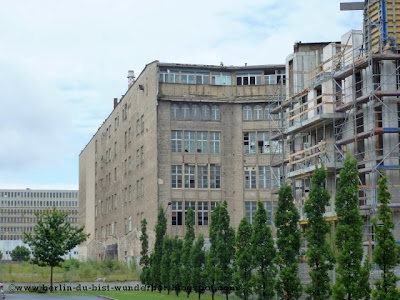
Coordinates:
<point>63,62</point>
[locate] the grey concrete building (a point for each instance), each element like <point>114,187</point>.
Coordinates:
<point>182,135</point>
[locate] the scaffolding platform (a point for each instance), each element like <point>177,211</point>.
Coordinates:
<point>364,135</point>
<point>366,98</point>
<point>287,102</point>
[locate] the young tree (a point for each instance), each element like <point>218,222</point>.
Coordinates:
<point>225,251</point>
<point>175,265</point>
<point>386,252</point>
<point>166,264</point>
<point>351,277</point>
<point>187,247</point>
<point>243,261</point>
<point>264,255</point>
<point>211,255</point>
<point>155,261</point>
<point>319,253</point>
<point>20,253</point>
<point>197,257</point>
<point>53,237</point>
<point>288,284</point>
<point>1,255</point>
<point>144,255</point>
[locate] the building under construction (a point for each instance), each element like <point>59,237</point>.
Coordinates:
<point>343,97</point>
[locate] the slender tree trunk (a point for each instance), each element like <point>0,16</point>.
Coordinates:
<point>51,278</point>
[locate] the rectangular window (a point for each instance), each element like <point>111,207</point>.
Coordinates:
<point>202,177</point>
<point>250,209</point>
<point>176,213</point>
<point>130,223</point>
<point>142,123</point>
<point>264,177</point>
<point>250,78</point>
<point>202,213</point>
<point>189,141</point>
<point>176,176</point>
<point>214,142</point>
<point>277,146</point>
<point>137,126</point>
<point>189,177</point>
<point>221,78</point>
<point>169,76</point>
<point>191,204</point>
<point>202,143</point>
<point>263,142</point>
<point>249,142</point>
<point>142,154</point>
<point>250,179</point>
<point>276,177</point>
<point>137,157</point>
<point>270,207</point>
<point>215,177</point>
<point>176,141</point>
<point>142,186</point>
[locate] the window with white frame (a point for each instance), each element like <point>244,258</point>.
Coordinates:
<point>202,177</point>
<point>205,112</point>
<point>276,177</point>
<point>277,146</point>
<point>247,112</point>
<point>195,112</point>
<point>188,78</point>
<point>258,112</point>
<point>202,213</point>
<point>202,143</point>
<point>215,177</point>
<point>214,142</point>
<point>169,76</point>
<point>174,113</point>
<point>190,138</point>
<point>176,141</point>
<point>248,78</point>
<point>185,111</point>
<point>250,179</point>
<point>213,204</point>
<point>176,209</point>
<point>176,176</point>
<point>267,114</point>
<point>215,113</point>
<point>221,78</point>
<point>263,142</point>
<point>191,204</point>
<point>249,142</point>
<point>250,209</point>
<point>264,177</point>
<point>270,79</point>
<point>189,176</point>
<point>202,78</point>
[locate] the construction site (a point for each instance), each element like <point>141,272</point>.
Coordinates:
<point>343,97</point>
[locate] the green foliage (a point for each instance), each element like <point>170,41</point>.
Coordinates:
<point>386,252</point>
<point>1,255</point>
<point>320,255</point>
<point>187,247</point>
<point>351,278</point>
<point>211,255</point>
<point>264,255</point>
<point>155,261</point>
<point>243,261</point>
<point>144,255</point>
<point>20,253</point>
<point>166,263</point>
<point>197,258</point>
<point>53,237</point>
<point>175,269</point>
<point>225,251</point>
<point>288,284</point>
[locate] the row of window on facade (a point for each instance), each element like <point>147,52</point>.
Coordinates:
<point>16,228</point>
<point>206,176</point>
<point>11,237</point>
<point>267,177</point>
<point>195,141</point>
<point>194,112</point>
<point>259,112</point>
<point>205,77</point>
<point>37,203</point>
<point>12,211</point>
<point>28,220</point>
<point>108,230</point>
<point>260,142</point>
<point>50,195</point>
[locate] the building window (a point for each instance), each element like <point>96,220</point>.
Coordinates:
<point>267,114</point>
<point>137,157</point>
<point>188,78</point>
<point>189,177</point>
<point>270,79</point>
<point>215,177</point>
<point>195,112</point>
<point>250,179</point>
<point>185,111</point>
<point>270,207</point>
<point>142,186</point>
<point>276,177</point>
<point>130,223</point>
<point>221,78</point>
<point>264,177</point>
<point>215,113</point>
<point>142,123</point>
<point>263,144</point>
<point>205,112</point>
<point>248,78</point>
<point>202,142</point>
<point>174,111</point>
<point>176,141</point>
<point>191,204</point>
<point>202,177</point>
<point>202,213</point>
<point>176,213</point>
<point>247,112</point>
<point>258,112</point>
<point>142,154</point>
<point>277,146</point>
<point>169,76</point>
<point>176,176</point>
<point>250,209</point>
<point>249,142</point>
<point>189,141</point>
<point>214,142</point>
